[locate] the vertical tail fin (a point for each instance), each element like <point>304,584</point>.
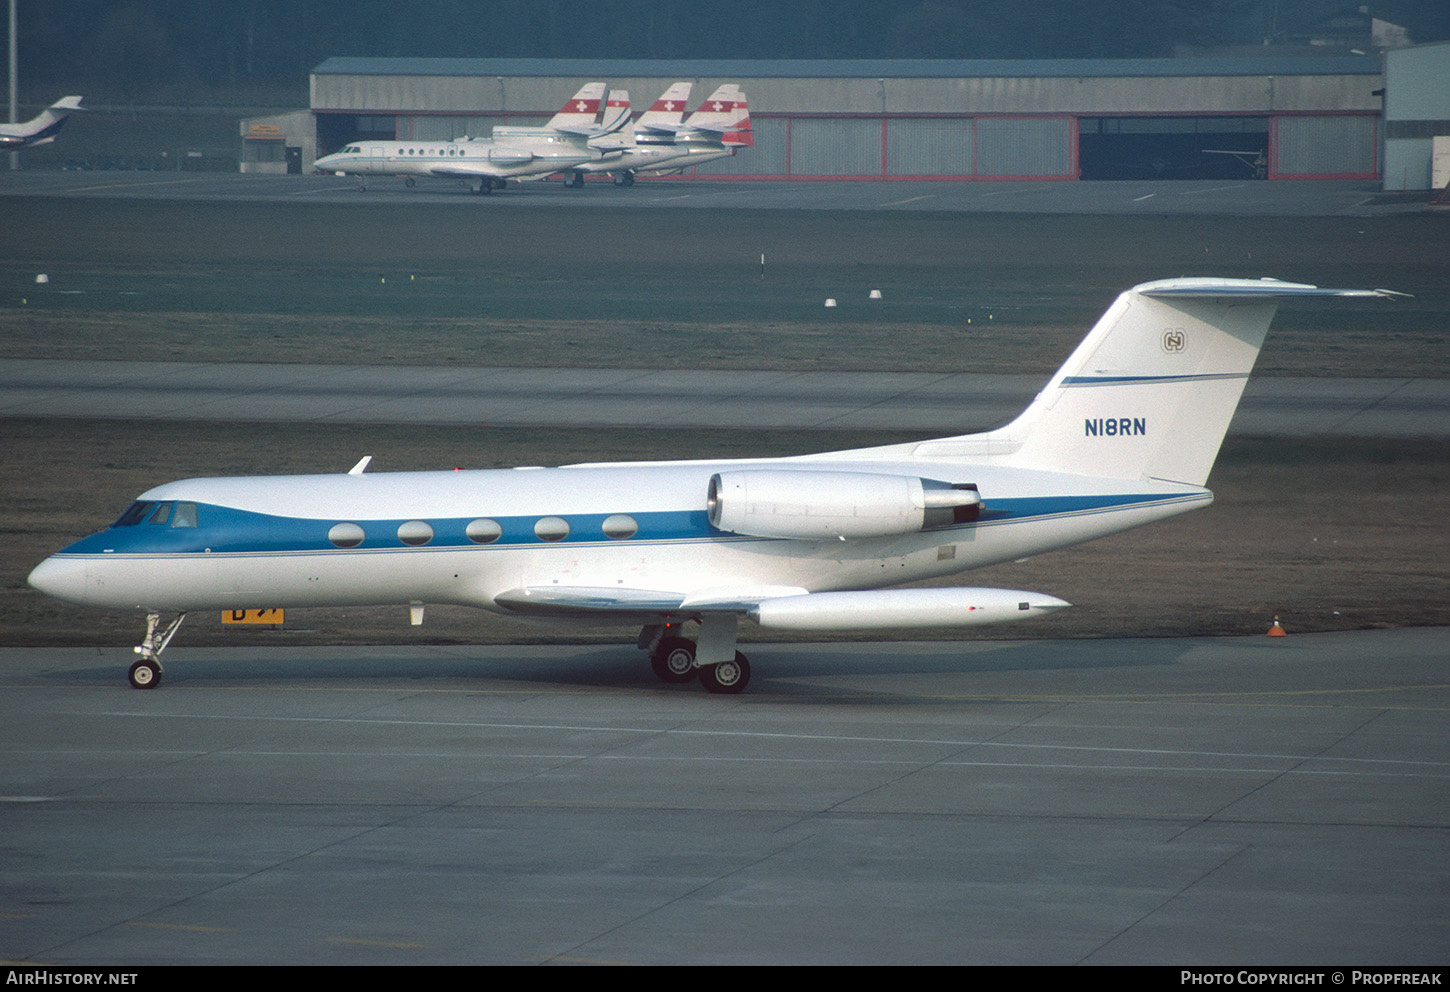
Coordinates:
<point>1149,393</point>
<point>740,134</point>
<point>616,111</point>
<point>581,109</point>
<point>718,111</point>
<point>670,107</point>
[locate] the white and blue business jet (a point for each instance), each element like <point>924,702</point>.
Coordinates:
<point>1123,435</point>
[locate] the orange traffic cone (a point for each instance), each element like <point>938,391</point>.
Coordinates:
<point>1276,630</point>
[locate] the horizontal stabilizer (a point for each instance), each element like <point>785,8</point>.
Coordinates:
<point>1249,289</point>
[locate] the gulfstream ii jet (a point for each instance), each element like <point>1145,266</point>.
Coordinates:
<point>1123,435</point>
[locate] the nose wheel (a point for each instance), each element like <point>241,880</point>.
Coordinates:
<point>146,673</point>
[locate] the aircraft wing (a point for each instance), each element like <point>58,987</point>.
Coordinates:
<point>622,603</point>
<point>470,170</point>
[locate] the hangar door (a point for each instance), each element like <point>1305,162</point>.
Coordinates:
<point>1173,147</point>
<point>1325,145</point>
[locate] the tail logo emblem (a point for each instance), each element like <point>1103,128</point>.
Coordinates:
<point>1174,340</point>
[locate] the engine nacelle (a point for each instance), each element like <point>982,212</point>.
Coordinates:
<point>510,156</point>
<point>824,505</point>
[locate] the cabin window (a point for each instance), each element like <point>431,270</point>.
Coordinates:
<point>415,533</point>
<point>551,529</point>
<point>346,535</point>
<point>620,526</point>
<point>484,531</point>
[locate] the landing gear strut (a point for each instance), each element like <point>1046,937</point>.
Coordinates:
<point>146,673</point>
<point>678,659</point>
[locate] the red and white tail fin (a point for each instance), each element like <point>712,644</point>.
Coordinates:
<point>740,135</point>
<point>718,112</point>
<point>581,109</point>
<point>669,108</point>
<point>725,116</point>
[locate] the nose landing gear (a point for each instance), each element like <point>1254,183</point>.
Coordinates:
<point>146,673</point>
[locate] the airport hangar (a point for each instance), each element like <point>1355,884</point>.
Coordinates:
<point>1192,118</point>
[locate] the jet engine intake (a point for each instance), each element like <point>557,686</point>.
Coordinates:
<point>822,505</point>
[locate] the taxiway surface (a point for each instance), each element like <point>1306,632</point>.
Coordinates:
<point>1318,198</point>
<point>1160,801</point>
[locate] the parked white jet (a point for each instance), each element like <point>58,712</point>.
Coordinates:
<point>42,128</point>
<point>1123,435</point>
<point>662,142</point>
<point>512,153</point>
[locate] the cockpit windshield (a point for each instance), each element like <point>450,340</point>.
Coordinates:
<point>135,513</point>
<point>163,514</point>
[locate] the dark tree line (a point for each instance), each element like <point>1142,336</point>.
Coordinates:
<point>262,50</point>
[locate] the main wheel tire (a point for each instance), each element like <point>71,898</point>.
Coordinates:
<point>728,677</point>
<point>144,674</point>
<point>673,660</point>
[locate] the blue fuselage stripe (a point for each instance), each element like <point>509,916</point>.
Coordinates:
<point>224,530</point>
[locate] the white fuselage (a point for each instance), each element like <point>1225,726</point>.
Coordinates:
<point>535,155</point>
<point>264,541</point>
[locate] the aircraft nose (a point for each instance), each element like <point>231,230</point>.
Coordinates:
<point>60,578</point>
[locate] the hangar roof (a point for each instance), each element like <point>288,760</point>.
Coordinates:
<point>1349,65</point>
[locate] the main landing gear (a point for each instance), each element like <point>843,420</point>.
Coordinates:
<point>487,186</point>
<point>146,673</point>
<point>678,659</point>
